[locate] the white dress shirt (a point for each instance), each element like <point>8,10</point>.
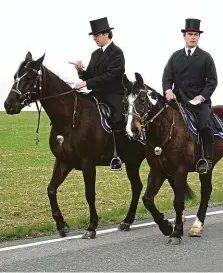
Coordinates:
<point>192,50</point>
<point>105,46</point>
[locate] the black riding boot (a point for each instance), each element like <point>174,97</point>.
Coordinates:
<point>205,164</point>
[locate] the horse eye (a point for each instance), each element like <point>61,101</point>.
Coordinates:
<point>142,101</point>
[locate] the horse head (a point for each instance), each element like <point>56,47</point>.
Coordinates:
<point>141,100</point>
<point>27,86</point>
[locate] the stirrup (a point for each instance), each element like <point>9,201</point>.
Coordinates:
<point>116,164</point>
<point>202,166</point>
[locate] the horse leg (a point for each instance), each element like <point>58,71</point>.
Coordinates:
<point>180,180</point>
<point>89,174</point>
<point>132,171</point>
<point>60,172</point>
<point>154,182</point>
<point>189,194</point>
<point>206,189</point>
<point>171,182</point>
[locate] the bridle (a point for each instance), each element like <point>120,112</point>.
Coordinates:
<point>148,106</point>
<point>144,123</point>
<point>27,97</point>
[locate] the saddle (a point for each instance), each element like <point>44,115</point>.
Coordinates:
<point>216,123</point>
<point>192,123</point>
<point>105,114</point>
<point>105,110</point>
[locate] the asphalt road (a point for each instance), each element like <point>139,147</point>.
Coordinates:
<point>141,249</point>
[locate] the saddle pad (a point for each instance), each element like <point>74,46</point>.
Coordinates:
<point>217,123</point>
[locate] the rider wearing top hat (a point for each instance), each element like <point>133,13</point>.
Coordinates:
<point>103,75</point>
<point>190,76</point>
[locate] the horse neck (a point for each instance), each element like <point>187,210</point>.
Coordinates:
<point>59,109</point>
<point>160,127</point>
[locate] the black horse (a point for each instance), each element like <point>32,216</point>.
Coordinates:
<point>171,146</point>
<point>77,139</point>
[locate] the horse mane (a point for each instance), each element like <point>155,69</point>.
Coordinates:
<point>46,71</point>
<point>156,94</point>
<point>81,95</point>
<point>56,76</point>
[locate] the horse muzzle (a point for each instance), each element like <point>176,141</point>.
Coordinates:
<point>12,108</point>
<point>137,130</point>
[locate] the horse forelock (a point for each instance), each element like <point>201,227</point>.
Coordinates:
<point>21,68</point>
<point>138,88</point>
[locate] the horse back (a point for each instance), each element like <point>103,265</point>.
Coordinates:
<point>218,110</point>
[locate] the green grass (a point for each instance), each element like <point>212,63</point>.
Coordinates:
<point>25,170</point>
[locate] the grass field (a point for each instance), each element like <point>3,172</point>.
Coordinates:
<point>25,170</point>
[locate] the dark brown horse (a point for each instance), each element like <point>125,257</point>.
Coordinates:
<point>173,148</point>
<point>77,139</point>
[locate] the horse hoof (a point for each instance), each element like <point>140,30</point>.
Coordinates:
<point>64,230</point>
<point>174,241</point>
<point>124,226</point>
<point>195,231</point>
<point>89,234</point>
<point>166,227</point>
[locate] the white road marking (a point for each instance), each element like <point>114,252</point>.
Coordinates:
<point>98,232</point>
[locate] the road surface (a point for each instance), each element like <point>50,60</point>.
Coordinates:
<point>141,249</point>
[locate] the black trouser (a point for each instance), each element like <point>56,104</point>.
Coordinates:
<point>203,115</point>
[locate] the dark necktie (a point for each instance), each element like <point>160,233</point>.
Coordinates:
<point>100,53</point>
<point>189,52</point>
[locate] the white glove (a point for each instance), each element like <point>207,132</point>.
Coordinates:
<point>84,91</point>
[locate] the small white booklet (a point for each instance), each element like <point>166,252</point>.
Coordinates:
<point>194,102</point>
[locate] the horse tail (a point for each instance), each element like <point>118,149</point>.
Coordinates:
<point>189,194</point>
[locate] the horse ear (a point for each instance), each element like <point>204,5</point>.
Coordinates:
<point>139,79</point>
<point>125,81</point>
<point>39,62</point>
<point>28,56</point>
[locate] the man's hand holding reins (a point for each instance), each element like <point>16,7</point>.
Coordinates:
<point>170,95</point>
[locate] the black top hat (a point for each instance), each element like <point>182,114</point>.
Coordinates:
<point>99,25</point>
<point>192,25</point>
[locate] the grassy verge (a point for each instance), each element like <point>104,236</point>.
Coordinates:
<point>25,170</point>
